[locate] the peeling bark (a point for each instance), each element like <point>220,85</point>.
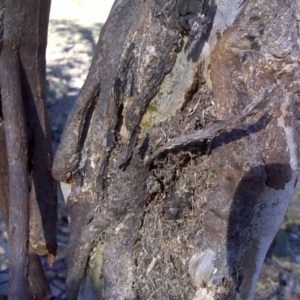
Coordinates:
<point>257,179</point>
<point>181,164</point>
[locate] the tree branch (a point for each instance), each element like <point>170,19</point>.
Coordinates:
<point>16,144</point>
<point>215,129</point>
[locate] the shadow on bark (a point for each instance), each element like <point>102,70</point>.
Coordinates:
<point>247,208</point>
<point>256,214</point>
<point>43,188</point>
<point>195,55</point>
<point>237,134</point>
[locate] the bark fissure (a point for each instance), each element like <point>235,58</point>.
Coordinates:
<point>171,202</point>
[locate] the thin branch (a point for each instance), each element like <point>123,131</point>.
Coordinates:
<point>16,144</point>
<point>68,153</point>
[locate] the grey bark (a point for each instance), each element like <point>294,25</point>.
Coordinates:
<point>181,153</point>
<point>28,201</point>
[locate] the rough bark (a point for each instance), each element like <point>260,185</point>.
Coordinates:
<point>28,201</point>
<point>180,154</point>
<point>257,179</point>
<point>15,127</point>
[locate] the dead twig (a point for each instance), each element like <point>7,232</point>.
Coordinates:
<point>213,130</point>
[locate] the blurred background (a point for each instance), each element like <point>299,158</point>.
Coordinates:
<point>73,33</point>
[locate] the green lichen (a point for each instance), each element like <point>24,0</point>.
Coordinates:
<point>153,107</point>
<point>151,112</point>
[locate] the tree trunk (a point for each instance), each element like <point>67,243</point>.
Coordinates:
<point>180,154</point>
<point>28,201</point>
